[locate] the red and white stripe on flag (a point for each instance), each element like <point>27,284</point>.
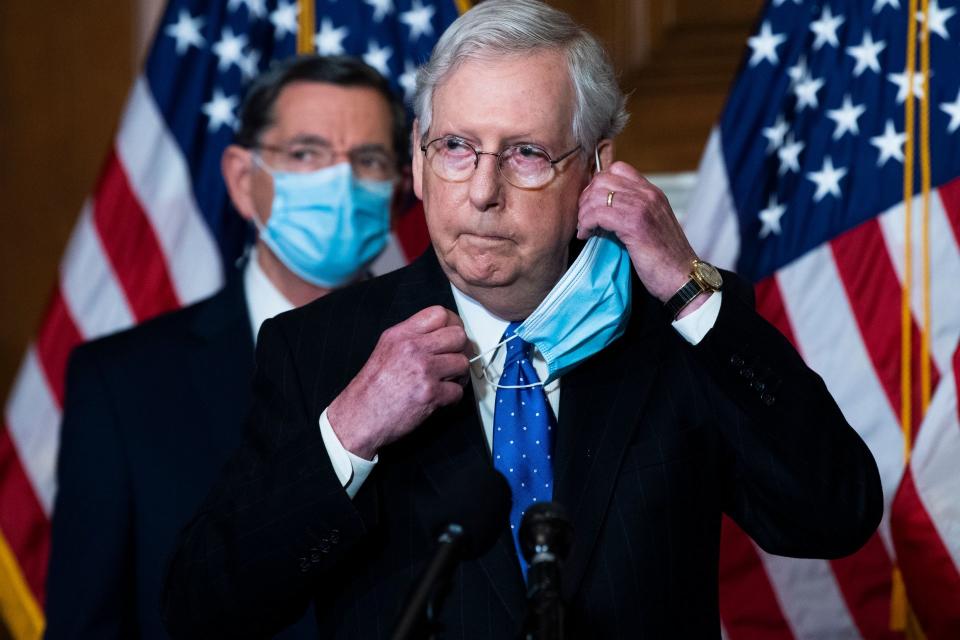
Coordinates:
<point>839,305</point>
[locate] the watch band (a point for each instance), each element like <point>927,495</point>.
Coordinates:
<point>703,277</point>
<point>683,297</point>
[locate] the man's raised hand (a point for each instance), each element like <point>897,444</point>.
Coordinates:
<point>416,367</point>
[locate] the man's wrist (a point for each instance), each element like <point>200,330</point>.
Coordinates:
<point>351,470</point>
<point>694,326</point>
<point>702,278</point>
<point>352,439</point>
<point>694,304</point>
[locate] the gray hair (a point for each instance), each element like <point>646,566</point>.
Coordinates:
<point>510,27</point>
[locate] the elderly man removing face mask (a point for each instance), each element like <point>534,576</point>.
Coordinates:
<point>562,331</point>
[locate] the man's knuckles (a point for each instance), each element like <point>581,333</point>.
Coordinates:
<point>425,391</point>
<point>449,393</point>
<point>429,319</point>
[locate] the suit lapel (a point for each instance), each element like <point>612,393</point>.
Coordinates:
<point>451,443</point>
<point>601,403</point>
<point>457,449</point>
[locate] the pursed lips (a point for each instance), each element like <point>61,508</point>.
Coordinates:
<point>484,238</point>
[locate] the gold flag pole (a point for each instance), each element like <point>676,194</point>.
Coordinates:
<point>306,26</point>
<point>901,616</point>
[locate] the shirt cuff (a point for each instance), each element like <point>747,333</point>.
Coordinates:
<point>351,469</point>
<point>695,326</point>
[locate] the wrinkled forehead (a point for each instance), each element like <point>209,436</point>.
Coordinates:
<point>507,95</point>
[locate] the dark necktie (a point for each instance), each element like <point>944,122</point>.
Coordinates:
<point>523,431</point>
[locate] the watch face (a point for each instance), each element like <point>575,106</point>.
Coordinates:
<point>707,274</point>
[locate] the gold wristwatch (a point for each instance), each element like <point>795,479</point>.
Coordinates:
<point>703,277</point>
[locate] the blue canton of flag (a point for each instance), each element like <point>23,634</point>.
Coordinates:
<point>815,122</point>
<point>207,51</point>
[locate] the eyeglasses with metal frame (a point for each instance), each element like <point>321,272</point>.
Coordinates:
<point>524,165</point>
<point>367,162</point>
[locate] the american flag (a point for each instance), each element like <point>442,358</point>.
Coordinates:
<point>158,231</point>
<point>801,189</point>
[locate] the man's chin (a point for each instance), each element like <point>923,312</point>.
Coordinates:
<point>473,272</point>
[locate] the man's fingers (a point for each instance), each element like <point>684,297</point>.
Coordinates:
<point>452,319</point>
<point>449,393</point>
<point>428,320</point>
<point>450,366</point>
<point>624,170</point>
<point>444,340</point>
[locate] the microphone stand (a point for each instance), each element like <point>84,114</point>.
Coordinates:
<point>545,538</point>
<point>545,611</point>
<point>419,616</point>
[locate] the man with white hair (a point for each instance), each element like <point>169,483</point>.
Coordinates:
<point>612,376</point>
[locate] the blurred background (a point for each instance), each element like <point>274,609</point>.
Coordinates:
<point>63,83</point>
<point>833,277</point>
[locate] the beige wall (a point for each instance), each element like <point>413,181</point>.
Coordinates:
<point>65,70</point>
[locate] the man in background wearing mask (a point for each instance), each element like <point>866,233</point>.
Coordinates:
<point>152,413</point>
<point>627,387</point>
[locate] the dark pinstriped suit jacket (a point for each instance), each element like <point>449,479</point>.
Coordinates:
<point>656,439</point>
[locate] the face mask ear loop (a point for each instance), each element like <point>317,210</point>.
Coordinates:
<point>596,158</point>
<point>258,162</point>
<point>483,369</point>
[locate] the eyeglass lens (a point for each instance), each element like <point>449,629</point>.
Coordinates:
<point>368,163</point>
<point>523,165</point>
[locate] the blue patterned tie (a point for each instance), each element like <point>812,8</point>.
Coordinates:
<point>522,434</point>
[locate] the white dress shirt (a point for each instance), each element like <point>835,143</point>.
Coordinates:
<point>484,331</point>
<point>264,300</point>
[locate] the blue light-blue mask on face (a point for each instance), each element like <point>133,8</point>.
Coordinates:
<point>326,226</point>
<point>586,310</point>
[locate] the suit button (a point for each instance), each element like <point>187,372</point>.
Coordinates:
<point>767,399</point>
<point>334,536</point>
<point>304,565</point>
<point>747,373</point>
<point>324,545</point>
<point>736,360</point>
<point>758,386</point>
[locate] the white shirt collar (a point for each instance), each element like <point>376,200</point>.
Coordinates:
<point>264,300</point>
<point>484,329</point>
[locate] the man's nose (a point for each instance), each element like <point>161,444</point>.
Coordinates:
<point>486,183</point>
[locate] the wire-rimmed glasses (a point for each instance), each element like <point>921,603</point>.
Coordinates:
<point>369,162</point>
<point>523,165</point>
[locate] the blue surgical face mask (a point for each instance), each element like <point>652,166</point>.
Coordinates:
<point>586,310</point>
<point>326,226</point>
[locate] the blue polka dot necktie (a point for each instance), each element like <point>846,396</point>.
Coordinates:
<point>523,431</point>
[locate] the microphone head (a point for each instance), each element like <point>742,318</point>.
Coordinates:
<point>545,527</point>
<point>476,504</point>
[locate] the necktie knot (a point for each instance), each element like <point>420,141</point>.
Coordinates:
<point>517,348</point>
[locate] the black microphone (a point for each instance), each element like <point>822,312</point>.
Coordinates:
<point>468,520</point>
<point>545,537</point>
